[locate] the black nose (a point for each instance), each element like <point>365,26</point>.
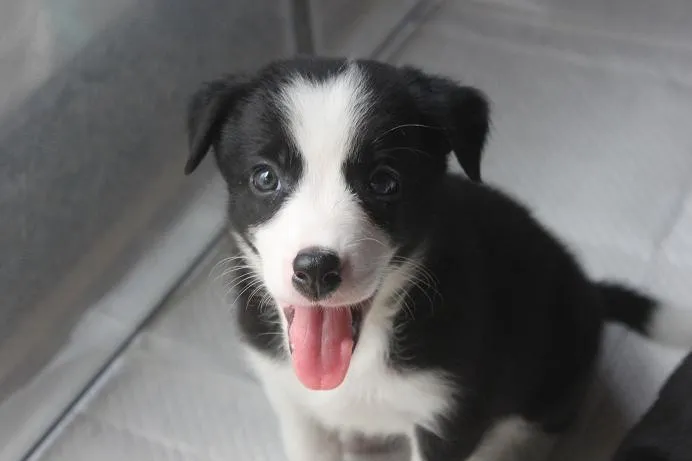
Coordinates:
<point>316,272</point>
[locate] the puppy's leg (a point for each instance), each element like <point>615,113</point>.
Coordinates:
<point>510,439</point>
<point>416,449</point>
<point>514,439</point>
<point>304,439</point>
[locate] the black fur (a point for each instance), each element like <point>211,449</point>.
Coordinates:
<point>627,306</point>
<point>665,431</point>
<point>515,319</point>
<point>509,312</point>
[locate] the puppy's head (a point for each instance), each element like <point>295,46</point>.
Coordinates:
<point>331,167</point>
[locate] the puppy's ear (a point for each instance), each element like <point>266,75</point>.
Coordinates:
<point>206,112</point>
<point>461,112</point>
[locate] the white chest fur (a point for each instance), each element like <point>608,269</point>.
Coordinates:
<point>373,399</point>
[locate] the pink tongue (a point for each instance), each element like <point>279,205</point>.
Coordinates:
<point>322,344</point>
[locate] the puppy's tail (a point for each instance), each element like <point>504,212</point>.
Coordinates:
<point>667,325</point>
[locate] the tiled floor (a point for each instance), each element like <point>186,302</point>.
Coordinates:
<point>592,104</point>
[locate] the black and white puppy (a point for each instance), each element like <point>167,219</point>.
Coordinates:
<point>665,431</point>
<point>380,295</point>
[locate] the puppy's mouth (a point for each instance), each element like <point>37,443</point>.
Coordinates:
<point>322,341</point>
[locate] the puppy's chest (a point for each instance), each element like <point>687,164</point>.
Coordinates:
<point>379,401</point>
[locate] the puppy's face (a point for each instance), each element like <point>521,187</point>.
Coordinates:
<point>331,169</point>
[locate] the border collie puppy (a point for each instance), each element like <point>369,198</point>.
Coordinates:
<point>380,295</point>
<point>665,431</point>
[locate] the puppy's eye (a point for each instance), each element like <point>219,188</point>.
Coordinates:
<point>384,182</point>
<point>264,179</point>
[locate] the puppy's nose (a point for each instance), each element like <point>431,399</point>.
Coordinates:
<point>316,272</point>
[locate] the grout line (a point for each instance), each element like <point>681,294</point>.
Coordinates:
<point>570,22</point>
<point>303,26</point>
<point>89,393</point>
<point>404,29</point>
<point>575,57</point>
<point>104,372</point>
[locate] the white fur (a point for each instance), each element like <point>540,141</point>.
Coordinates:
<point>672,326</point>
<point>373,399</point>
<point>513,439</point>
<point>324,119</point>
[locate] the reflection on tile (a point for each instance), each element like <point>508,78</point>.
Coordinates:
<point>37,36</point>
<point>654,20</point>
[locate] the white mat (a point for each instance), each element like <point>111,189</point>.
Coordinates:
<point>592,128</point>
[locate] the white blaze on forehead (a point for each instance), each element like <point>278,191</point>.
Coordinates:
<point>325,116</point>
<point>323,119</point>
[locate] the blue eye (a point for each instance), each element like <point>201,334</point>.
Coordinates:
<point>264,179</point>
<point>384,182</point>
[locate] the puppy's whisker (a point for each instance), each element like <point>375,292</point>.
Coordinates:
<point>230,261</point>
<point>227,261</point>
<point>241,279</point>
<point>367,239</point>
<point>404,148</point>
<point>249,287</point>
<point>264,302</point>
<point>249,278</point>
<point>405,125</point>
<point>418,267</point>
<point>236,269</point>
<point>402,300</point>
<point>259,288</point>
<point>240,293</point>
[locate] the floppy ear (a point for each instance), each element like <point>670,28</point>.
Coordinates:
<point>206,112</point>
<point>462,112</point>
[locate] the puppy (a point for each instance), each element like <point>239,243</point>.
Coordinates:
<point>665,431</point>
<point>379,295</point>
